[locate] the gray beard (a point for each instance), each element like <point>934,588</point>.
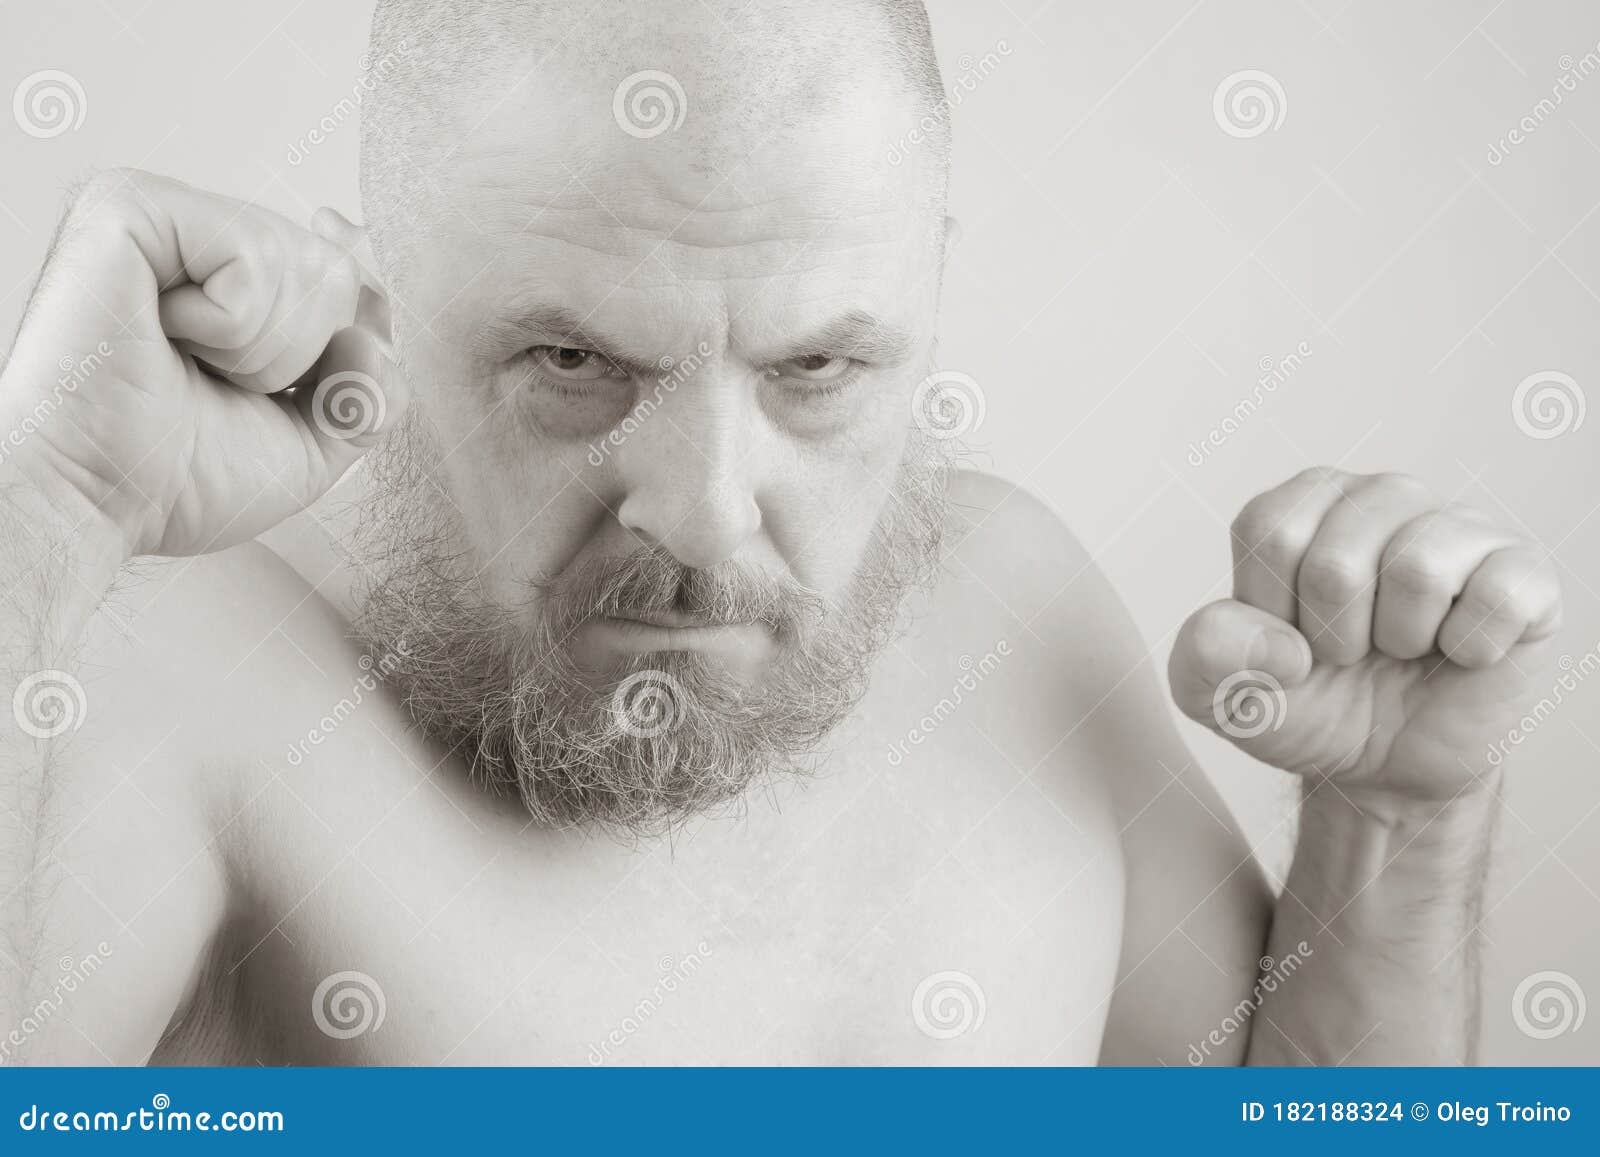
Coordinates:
<point>672,735</point>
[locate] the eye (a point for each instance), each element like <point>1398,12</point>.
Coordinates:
<point>570,364</point>
<point>814,369</point>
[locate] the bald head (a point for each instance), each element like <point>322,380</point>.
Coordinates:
<point>722,78</point>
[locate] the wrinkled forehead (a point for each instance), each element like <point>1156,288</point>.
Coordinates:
<point>632,199</point>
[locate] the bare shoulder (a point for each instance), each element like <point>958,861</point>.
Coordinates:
<point>149,724</point>
<point>1021,607</point>
<point>191,661</point>
<point>1013,563</point>
<point>161,727</point>
<point>1089,709</point>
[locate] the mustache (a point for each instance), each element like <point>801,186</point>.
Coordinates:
<point>650,580</point>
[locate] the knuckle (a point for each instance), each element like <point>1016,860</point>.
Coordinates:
<point>1486,604</point>
<point>1464,515</point>
<point>238,328</point>
<point>1550,584</point>
<point>265,257</point>
<point>1330,576</point>
<point>1397,482</point>
<point>1255,523</point>
<point>1317,474</point>
<point>110,198</point>
<point>1415,576</point>
<point>1280,549</point>
<point>1472,649</point>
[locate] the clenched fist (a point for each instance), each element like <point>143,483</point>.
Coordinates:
<point>192,369</point>
<point>1375,634</point>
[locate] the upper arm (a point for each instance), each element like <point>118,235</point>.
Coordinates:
<point>126,886</point>
<point>1196,906</point>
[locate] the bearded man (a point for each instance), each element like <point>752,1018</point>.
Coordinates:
<point>659,690</point>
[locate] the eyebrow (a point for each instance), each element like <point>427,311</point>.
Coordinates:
<point>559,326</point>
<point>855,333</point>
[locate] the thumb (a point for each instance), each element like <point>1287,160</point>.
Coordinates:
<point>373,310</point>
<point>352,398</point>
<point>1231,665</point>
<point>355,394</point>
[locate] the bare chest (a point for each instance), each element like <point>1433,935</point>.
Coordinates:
<point>834,924</point>
<point>914,902</point>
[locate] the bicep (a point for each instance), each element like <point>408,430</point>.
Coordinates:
<point>1194,926</point>
<point>123,886</point>
<point>120,904</point>
<point>1197,906</point>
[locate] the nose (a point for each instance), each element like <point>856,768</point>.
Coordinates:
<point>688,471</point>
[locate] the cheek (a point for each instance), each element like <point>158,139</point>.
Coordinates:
<point>579,414</point>
<point>521,515</point>
<point>825,503</point>
<point>510,466</point>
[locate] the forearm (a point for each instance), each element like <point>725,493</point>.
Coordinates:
<point>57,559</point>
<point>55,566</point>
<point>1378,921</point>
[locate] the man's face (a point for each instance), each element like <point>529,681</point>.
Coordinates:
<point>662,422</point>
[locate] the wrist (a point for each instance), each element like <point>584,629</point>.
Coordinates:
<point>1398,820</point>
<point>59,519</point>
<point>1392,815</point>
<point>58,557</point>
<point>1362,860</point>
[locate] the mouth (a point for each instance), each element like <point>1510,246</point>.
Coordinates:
<point>740,647</point>
<point>673,620</point>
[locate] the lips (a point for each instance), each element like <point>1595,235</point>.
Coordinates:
<point>674,619</point>
<point>742,650</point>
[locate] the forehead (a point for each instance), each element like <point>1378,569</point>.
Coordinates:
<point>745,214</point>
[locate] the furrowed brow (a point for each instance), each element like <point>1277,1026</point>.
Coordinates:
<point>858,334</point>
<point>549,325</point>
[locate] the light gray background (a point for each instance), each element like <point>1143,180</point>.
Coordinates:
<point>1125,268</point>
